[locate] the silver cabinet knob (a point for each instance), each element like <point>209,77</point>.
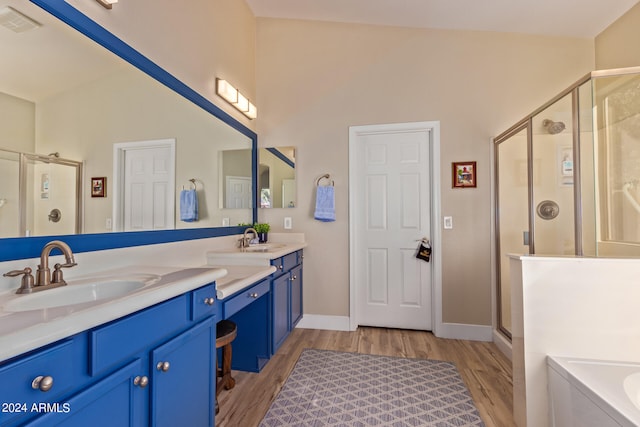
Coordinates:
<point>141,382</point>
<point>42,383</point>
<point>280,267</point>
<point>253,295</point>
<point>209,301</point>
<point>163,366</point>
<point>294,278</point>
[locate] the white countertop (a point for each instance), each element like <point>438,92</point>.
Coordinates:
<point>253,256</point>
<point>27,330</point>
<point>231,269</point>
<point>239,277</point>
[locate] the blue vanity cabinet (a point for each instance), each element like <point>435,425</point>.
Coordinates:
<point>182,390</point>
<point>286,291</point>
<point>152,367</point>
<point>250,310</point>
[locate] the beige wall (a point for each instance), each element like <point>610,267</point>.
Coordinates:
<point>17,124</point>
<point>618,46</point>
<point>316,79</point>
<point>195,40</point>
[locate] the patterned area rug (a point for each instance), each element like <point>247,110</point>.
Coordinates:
<point>330,388</point>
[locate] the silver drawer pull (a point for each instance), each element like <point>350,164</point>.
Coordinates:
<point>163,366</point>
<point>254,295</point>
<point>42,383</point>
<point>141,382</point>
<point>209,301</point>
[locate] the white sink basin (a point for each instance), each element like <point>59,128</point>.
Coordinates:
<point>80,292</point>
<point>264,247</point>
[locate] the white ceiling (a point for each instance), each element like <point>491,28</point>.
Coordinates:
<point>575,18</point>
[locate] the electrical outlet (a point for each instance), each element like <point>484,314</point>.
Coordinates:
<point>448,222</point>
<point>288,224</point>
<point>225,222</point>
<point>107,224</point>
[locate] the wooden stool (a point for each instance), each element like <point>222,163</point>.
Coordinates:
<point>226,332</point>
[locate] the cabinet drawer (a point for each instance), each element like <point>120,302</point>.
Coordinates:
<point>203,302</point>
<point>285,263</point>
<point>16,379</point>
<point>289,261</point>
<point>117,342</point>
<point>244,298</point>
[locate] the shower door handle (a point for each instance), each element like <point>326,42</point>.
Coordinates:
<point>525,238</point>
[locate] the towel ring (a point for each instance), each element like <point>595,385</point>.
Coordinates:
<point>327,176</point>
<point>193,183</point>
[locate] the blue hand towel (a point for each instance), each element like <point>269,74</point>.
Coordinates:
<point>188,205</point>
<point>325,204</point>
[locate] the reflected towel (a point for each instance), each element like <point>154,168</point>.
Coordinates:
<point>188,205</point>
<point>325,204</point>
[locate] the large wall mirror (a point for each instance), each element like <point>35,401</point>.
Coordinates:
<point>66,97</point>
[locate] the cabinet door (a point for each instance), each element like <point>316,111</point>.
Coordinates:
<point>183,379</point>
<point>296,295</point>
<point>113,401</point>
<point>280,294</point>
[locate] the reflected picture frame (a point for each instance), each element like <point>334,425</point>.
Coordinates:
<point>463,174</point>
<point>99,186</point>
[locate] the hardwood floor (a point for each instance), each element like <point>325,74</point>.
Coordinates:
<point>484,369</point>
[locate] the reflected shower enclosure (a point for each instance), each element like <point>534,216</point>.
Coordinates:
<point>567,178</point>
<point>41,194</point>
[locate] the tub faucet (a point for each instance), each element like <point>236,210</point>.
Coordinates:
<point>44,278</point>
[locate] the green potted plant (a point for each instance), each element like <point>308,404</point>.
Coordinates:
<point>262,228</point>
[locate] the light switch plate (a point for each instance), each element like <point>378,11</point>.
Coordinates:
<point>288,224</point>
<point>225,222</point>
<point>448,222</point>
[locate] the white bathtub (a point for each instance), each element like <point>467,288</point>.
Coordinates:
<point>593,393</point>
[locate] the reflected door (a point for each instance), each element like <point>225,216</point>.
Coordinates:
<point>512,222</point>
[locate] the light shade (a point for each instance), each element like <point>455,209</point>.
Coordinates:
<point>230,94</point>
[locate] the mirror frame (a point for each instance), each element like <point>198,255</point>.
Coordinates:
<point>30,247</point>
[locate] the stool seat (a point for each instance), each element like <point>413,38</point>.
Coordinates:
<point>226,332</point>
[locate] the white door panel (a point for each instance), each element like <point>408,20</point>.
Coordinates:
<point>392,287</point>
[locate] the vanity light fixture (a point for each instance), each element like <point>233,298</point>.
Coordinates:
<point>230,94</point>
<point>107,3</point>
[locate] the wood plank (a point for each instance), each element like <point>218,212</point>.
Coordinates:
<point>484,369</point>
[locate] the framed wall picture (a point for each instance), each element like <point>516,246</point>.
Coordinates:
<point>463,174</point>
<point>99,187</point>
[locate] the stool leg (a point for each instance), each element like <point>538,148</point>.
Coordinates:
<point>228,380</point>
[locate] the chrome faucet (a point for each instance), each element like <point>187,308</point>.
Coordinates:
<point>44,278</point>
<point>244,241</point>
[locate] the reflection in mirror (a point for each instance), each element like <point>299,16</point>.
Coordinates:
<point>235,182</point>
<point>79,99</point>
<point>277,177</point>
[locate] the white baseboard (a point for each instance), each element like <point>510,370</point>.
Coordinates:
<point>461,331</point>
<point>448,330</point>
<point>503,344</point>
<point>330,323</point>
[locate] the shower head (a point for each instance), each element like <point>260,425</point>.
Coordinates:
<point>553,127</point>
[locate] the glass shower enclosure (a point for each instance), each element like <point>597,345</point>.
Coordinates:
<point>567,178</point>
